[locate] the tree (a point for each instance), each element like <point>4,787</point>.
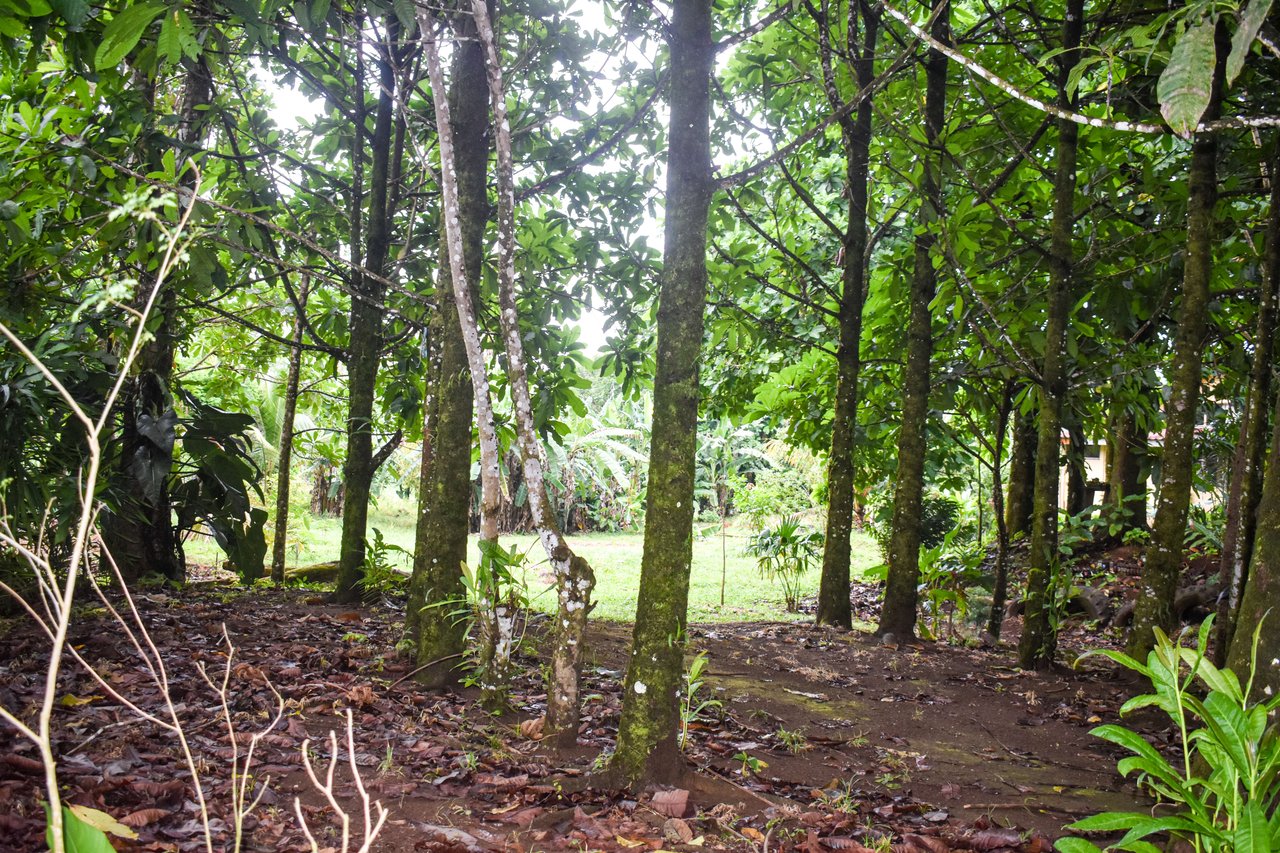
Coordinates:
<point>1038,643</point>
<point>898,613</point>
<point>1162,567</point>
<point>647,730</point>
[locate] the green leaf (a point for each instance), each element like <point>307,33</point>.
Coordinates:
<point>1076,845</point>
<point>1184,87</point>
<point>123,32</point>
<point>74,12</point>
<point>85,830</point>
<point>1252,834</point>
<point>1251,20</point>
<point>407,14</point>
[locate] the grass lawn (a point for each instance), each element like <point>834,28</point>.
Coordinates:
<point>614,556</point>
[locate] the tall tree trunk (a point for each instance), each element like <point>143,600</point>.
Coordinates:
<point>495,622</point>
<point>1077,472</point>
<point>1039,641</point>
<point>140,536</point>
<point>286,437</point>
<point>1245,490</point>
<point>1000,584</point>
<point>444,514</point>
<point>1022,475</point>
<point>1126,449</point>
<point>647,730</point>
<point>898,615</point>
<point>367,294</point>
<point>833,590</point>
<point>1262,591</point>
<point>1163,566</point>
<point>574,578</point>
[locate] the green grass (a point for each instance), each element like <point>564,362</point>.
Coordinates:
<point>614,556</point>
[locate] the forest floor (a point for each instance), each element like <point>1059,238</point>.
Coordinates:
<point>934,746</point>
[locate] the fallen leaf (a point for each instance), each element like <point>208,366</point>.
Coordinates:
<point>672,803</point>
<point>677,831</point>
<point>142,817</point>
<point>103,822</point>
<point>993,839</point>
<point>532,729</point>
<point>73,701</point>
<point>752,833</point>
<point>630,843</point>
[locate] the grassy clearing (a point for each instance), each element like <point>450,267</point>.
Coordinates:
<point>614,556</point>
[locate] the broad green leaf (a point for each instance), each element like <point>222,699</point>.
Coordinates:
<point>84,830</point>
<point>1076,845</point>
<point>1251,20</point>
<point>1252,834</point>
<point>407,14</point>
<point>74,12</point>
<point>1110,822</point>
<point>1183,89</point>
<point>123,32</point>
<point>100,820</point>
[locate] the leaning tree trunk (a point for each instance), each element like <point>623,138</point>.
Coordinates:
<point>367,294</point>
<point>496,617</point>
<point>833,589</point>
<point>1163,566</point>
<point>647,748</point>
<point>1022,475</point>
<point>898,615</point>
<point>444,513</point>
<point>286,437</point>
<point>1246,471</point>
<point>574,578</point>
<point>1258,604</point>
<point>1039,641</point>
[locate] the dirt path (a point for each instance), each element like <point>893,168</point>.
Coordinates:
<point>935,747</point>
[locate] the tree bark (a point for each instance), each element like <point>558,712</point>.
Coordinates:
<point>833,589</point>
<point>444,515</point>
<point>367,293</point>
<point>1039,641</point>
<point>278,542</point>
<point>1258,604</point>
<point>1022,475</point>
<point>1000,584</point>
<point>1163,565</point>
<point>1245,490</point>
<point>1077,473</point>
<point>1126,449</point>
<point>647,748</point>
<point>898,615</point>
<point>574,578</point>
<point>140,536</point>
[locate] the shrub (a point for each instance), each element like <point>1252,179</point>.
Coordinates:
<point>784,553</point>
<point>938,517</point>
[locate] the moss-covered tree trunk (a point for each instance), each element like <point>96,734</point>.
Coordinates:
<point>1162,568</point>
<point>1039,642</point>
<point>1261,597</point>
<point>646,748</point>
<point>1245,490</point>
<point>1077,472</point>
<point>833,591</point>
<point>367,293</point>
<point>440,544</point>
<point>285,457</point>
<point>1022,475</point>
<point>898,615</point>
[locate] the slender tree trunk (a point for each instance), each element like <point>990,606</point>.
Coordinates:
<point>444,517</point>
<point>898,615</point>
<point>574,578</point>
<point>1039,641</point>
<point>1260,602</point>
<point>1077,474</point>
<point>367,294</point>
<point>1126,491</point>
<point>650,710</point>
<point>1245,490</point>
<point>495,616</point>
<point>286,438</point>
<point>1022,475</point>
<point>1163,566</point>
<point>1000,585</point>
<point>833,591</point>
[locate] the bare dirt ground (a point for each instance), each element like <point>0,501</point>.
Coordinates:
<point>930,747</point>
